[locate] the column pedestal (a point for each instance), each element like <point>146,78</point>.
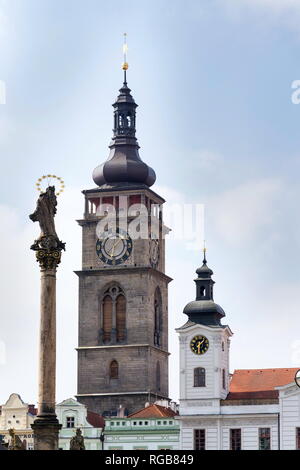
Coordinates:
<point>46,432</point>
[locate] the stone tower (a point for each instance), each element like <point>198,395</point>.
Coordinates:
<point>123,288</point>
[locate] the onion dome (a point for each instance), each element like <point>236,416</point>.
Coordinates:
<point>124,165</point>
<point>204,310</point>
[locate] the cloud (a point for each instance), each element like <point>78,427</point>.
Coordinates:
<point>207,159</point>
<point>269,12</point>
<point>240,213</point>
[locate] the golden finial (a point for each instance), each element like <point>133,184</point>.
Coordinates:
<point>204,252</point>
<point>125,50</point>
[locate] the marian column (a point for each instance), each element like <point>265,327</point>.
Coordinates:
<point>48,249</point>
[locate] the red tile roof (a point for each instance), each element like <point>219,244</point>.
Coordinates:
<point>259,383</point>
<point>154,411</point>
<point>32,410</point>
<point>95,420</point>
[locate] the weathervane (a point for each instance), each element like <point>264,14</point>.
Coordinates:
<point>125,63</point>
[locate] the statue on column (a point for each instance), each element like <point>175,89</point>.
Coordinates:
<point>48,246</point>
<point>77,441</point>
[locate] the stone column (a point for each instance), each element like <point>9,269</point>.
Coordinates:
<point>48,254</point>
<point>46,427</point>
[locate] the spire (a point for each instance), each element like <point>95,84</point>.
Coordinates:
<point>124,166</point>
<point>204,253</point>
<point>204,310</point>
<point>125,63</point>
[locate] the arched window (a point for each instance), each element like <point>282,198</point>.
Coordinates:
<point>107,318</point>
<point>202,291</point>
<point>158,376</point>
<point>113,316</point>
<point>199,377</point>
<point>114,370</point>
<point>121,318</point>
<point>157,318</point>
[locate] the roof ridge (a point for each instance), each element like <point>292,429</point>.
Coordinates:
<point>269,368</point>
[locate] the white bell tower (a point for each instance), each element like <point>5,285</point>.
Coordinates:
<point>204,351</point>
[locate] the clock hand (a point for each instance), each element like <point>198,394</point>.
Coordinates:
<point>114,247</point>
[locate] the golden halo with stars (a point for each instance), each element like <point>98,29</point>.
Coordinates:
<point>48,179</point>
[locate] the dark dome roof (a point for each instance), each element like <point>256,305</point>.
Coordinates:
<point>204,270</point>
<point>124,165</point>
<point>203,307</point>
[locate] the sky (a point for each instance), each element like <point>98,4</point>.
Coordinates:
<point>217,122</point>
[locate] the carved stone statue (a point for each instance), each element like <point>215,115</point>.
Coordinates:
<point>15,441</point>
<point>48,245</point>
<point>77,441</point>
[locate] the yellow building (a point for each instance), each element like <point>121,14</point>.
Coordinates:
<point>17,415</point>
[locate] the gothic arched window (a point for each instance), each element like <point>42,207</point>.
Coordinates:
<point>114,370</point>
<point>107,318</point>
<point>157,318</point>
<point>199,377</point>
<point>158,376</point>
<point>121,318</point>
<point>113,316</point>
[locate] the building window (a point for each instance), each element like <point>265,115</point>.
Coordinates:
<point>114,370</point>
<point>107,318</point>
<point>223,379</point>
<point>113,319</point>
<point>70,422</point>
<point>158,376</point>
<point>298,438</point>
<point>199,439</point>
<point>199,377</point>
<point>235,439</point>
<point>264,439</point>
<point>157,318</point>
<point>121,318</point>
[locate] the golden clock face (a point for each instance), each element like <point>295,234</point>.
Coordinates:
<point>199,345</point>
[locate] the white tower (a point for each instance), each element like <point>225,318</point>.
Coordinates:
<point>204,356</point>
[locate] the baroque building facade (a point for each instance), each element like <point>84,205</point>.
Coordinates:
<point>123,288</point>
<point>73,415</point>
<point>256,409</point>
<point>152,428</point>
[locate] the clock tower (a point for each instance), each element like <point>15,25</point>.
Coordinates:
<point>204,351</point>
<point>123,288</point>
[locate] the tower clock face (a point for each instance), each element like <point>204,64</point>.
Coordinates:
<point>154,253</point>
<point>114,247</point>
<point>199,345</point>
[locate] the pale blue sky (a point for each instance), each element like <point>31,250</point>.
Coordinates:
<point>215,120</point>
